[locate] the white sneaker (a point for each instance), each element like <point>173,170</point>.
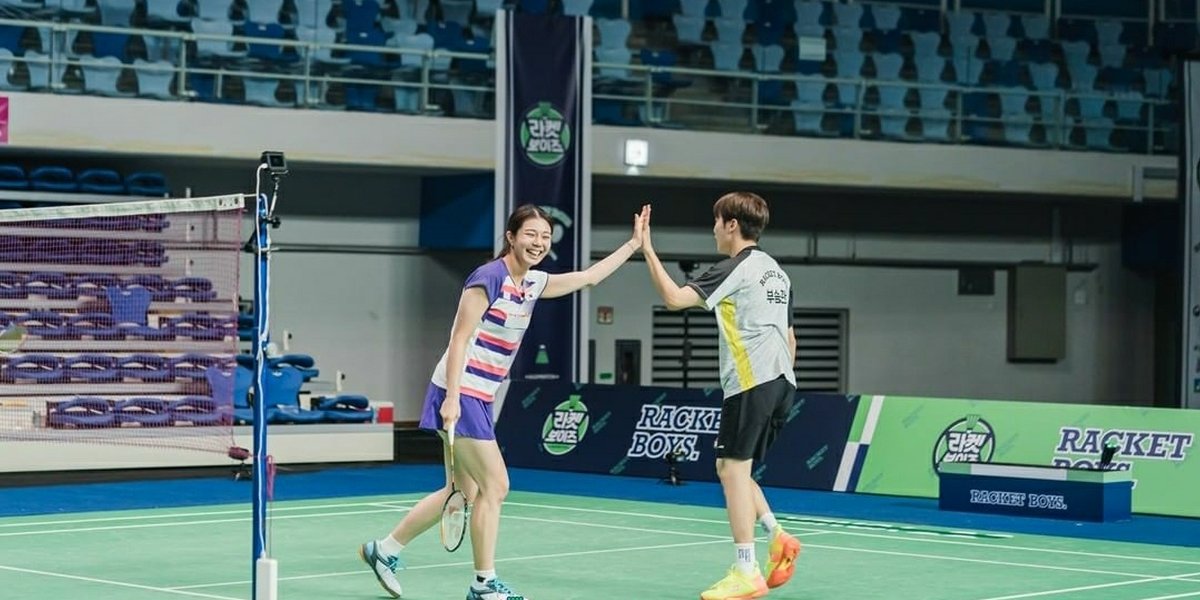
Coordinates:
<point>494,590</point>
<point>383,566</point>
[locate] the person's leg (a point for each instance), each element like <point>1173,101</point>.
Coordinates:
<point>428,512</point>
<point>783,547</point>
<point>736,439</point>
<point>483,462</point>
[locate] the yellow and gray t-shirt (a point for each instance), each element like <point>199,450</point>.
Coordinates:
<point>752,297</point>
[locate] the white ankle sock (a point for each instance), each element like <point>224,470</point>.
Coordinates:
<point>389,546</point>
<point>745,558</point>
<point>482,577</point>
<point>768,523</point>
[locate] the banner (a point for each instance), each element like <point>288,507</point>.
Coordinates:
<point>1189,196</point>
<point>631,430</point>
<point>543,114</point>
<point>904,438</point>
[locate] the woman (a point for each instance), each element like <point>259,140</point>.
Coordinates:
<point>493,312</point>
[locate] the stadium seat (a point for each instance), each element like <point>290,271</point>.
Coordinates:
<point>888,66</point>
<point>282,395</point>
<point>996,25</point>
<point>80,413</point>
<point>143,412</point>
<point>12,177</point>
<point>1035,27</point>
<point>935,124</point>
<point>154,79</point>
<point>145,367</point>
<point>303,363</point>
<point>100,76</point>
<point>930,69</point>
<point>925,44</point>
<point>53,179</point>
<point>729,30</point>
<point>614,33</point>
<point>200,411</point>
<point>886,16</point>
<point>346,408</point>
<point>92,368</point>
<point>146,183</point>
<point>101,181</point>
<point>116,13</point>
<point>577,8</point>
<point>35,368</point>
<point>195,366</point>
<point>165,13</point>
<point>264,11</point>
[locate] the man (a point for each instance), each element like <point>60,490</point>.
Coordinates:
<point>752,297</point>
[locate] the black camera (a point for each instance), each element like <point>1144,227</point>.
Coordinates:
<point>275,161</point>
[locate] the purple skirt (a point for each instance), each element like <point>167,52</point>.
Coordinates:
<point>475,420</point>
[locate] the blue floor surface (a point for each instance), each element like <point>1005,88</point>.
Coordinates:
<point>403,479</point>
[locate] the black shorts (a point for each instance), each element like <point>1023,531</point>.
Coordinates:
<point>751,420</point>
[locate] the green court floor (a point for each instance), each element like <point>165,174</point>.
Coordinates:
<point>561,548</point>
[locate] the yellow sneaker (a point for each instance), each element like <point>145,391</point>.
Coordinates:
<point>737,586</point>
<point>783,551</point>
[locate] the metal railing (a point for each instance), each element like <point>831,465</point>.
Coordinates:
<point>436,81</point>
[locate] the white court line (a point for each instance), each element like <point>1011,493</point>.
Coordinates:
<point>1172,597</point>
<point>116,583</point>
<point>677,518</point>
<point>468,563</point>
<point>986,561</point>
<point>1097,587</point>
<point>240,511</point>
<point>842,531</point>
<point>203,522</point>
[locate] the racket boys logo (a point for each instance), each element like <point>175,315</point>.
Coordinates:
<point>664,429</point>
<point>545,136</point>
<point>969,439</point>
<point>565,427</point>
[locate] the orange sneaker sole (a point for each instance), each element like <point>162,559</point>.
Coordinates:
<point>782,573</point>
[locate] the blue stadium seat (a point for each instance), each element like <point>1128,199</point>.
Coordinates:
<point>1044,76</point>
<point>216,11</point>
<point>614,33</point>
<point>888,66</point>
<point>577,8</point>
<point>1018,130</point>
<point>925,44</point>
<point>932,98</point>
<point>86,412</point>
<point>693,8</point>
<point>1109,32</point>
<point>143,412</point>
<point>1112,56</point>
<point>848,15</point>
<point>346,408</point>
<point>849,66</point>
<point>1129,107</point>
<point>263,91</point>
<point>92,368</point>
<point>847,38</point>
<point>997,25</point>
<point>812,13</point>
<point>1083,77</point>
<point>727,55</point>
<point>689,30</point>
<point>110,44</point>
<point>314,14</point>
<point>213,49</point>
<point>164,13</point>
<point>1035,27</point>
<point>100,76</point>
<point>1013,101</point>
<point>935,124</point>
<point>1157,82</point>
<point>116,13</point>
<point>961,23</point>
<point>459,11</point>
<point>154,79</point>
<point>1098,134</point>
<point>282,396</point>
<point>201,411</point>
<point>1001,48</point>
<point>886,17</point>
<point>12,177</point>
<point>663,58</point>
<point>303,363</point>
<point>769,33</point>
<point>272,53</point>
<point>808,118</point>
<point>53,179</point>
<point>611,112</point>
<point>36,368</point>
<point>729,29</point>
<point>101,181</point>
<point>146,183</point>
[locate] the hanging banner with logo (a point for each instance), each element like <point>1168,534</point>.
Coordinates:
<point>645,432</point>
<point>543,114</point>
<point>908,437</point>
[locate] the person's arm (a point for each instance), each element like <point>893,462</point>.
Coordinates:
<point>471,306</point>
<point>674,296</point>
<point>561,284</point>
<point>791,336</point>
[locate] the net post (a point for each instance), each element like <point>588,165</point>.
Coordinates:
<point>262,588</point>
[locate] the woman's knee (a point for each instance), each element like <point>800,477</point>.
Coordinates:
<point>495,489</point>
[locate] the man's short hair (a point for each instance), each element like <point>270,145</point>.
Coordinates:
<point>748,208</point>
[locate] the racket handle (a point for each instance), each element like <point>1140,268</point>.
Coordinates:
<point>451,432</point>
